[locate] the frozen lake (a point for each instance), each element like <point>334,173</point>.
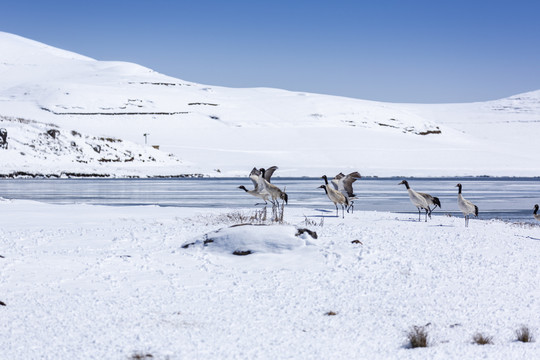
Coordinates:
<point>505,198</point>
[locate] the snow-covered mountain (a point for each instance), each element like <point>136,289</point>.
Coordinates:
<point>226,131</point>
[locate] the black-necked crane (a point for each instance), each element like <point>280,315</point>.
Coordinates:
<point>343,183</point>
<point>535,212</point>
<point>421,200</point>
<point>255,173</point>
<point>335,196</point>
<point>257,190</point>
<point>466,207</point>
<point>266,187</point>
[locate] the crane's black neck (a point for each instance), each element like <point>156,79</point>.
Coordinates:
<point>535,209</point>
<point>325,180</point>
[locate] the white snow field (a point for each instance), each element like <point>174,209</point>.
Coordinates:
<point>219,131</point>
<point>111,282</point>
<point>96,282</point>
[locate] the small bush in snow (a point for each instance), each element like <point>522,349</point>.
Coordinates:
<point>482,339</point>
<point>523,334</point>
<point>311,222</point>
<point>277,214</point>
<point>257,217</point>
<point>417,337</point>
<point>235,217</point>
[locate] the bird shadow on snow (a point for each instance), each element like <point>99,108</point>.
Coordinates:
<point>422,221</point>
<point>326,215</point>
<point>408,220</point>
<point>528,237</point>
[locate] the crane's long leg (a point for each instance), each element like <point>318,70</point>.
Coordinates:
<point>419,214</point>
<point>351,207</point>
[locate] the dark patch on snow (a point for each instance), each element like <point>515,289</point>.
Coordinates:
<point>53,133</point>
<point>429,132</point>
<point>311,233</point>
<point>158,83</point>
<point>117,113</point>
<point>24,174</point>
<point>242,252</point>
<point>201,103</point>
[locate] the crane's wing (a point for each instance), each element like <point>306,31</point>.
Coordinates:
<point>336,180</point>
<point>268,173</point>
<point>254,171</point>
<point>347,181</point>
<point>255,180</point>
<point>254,176</point>
<point>431,200</point>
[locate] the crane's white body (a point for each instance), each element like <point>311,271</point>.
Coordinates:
<point>466,207</point>
<point>420,200</point>
<point>336,197</point>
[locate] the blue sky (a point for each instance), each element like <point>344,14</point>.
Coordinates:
<point>388,50</point>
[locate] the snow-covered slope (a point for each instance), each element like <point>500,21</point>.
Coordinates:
<point>231,130</point>
<point>39,149</point>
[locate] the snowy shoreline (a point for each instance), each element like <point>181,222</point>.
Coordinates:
<point>85,282</point>
<point>69,175</point>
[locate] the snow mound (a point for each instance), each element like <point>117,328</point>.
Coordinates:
<point>246,239</point>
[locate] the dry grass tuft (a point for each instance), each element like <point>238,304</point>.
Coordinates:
<point>311,222</point>
<point>523,334</point>
<point>417,337</point>
<point>257,217</point>
<point>482,339</point>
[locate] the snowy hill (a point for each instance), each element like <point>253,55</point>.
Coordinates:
<point>225,131</point>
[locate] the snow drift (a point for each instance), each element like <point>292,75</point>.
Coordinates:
<point>247,239</point>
